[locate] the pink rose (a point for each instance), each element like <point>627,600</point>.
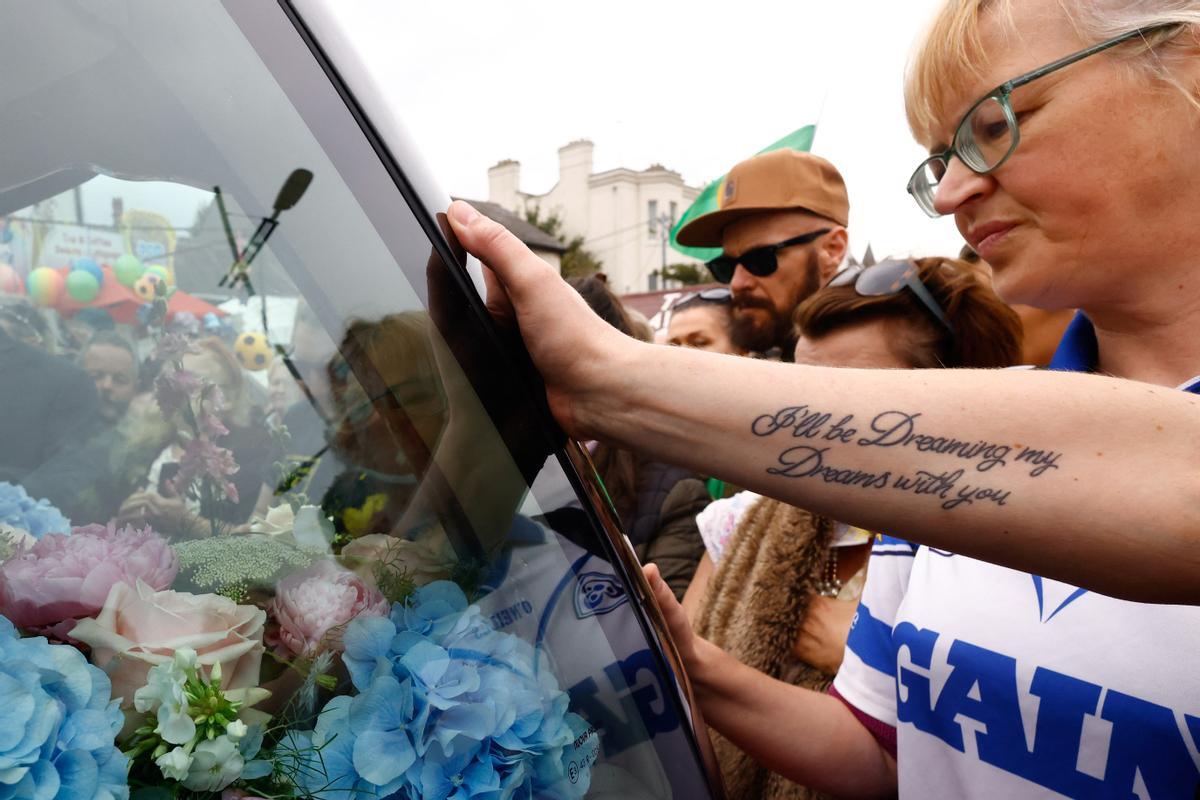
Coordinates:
<point>139,628</point>
<point>63,577</point>
<point>313,606</point>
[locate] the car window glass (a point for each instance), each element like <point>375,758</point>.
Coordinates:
<point>250,418</point>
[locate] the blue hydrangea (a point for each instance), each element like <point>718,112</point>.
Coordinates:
<point>448,707</point>
<point>35,517</point>
<point>57,724</point>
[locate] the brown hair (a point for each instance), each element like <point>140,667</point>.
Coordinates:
<point>604,302</point>
<point>376,356</point>
<point>987,333</point>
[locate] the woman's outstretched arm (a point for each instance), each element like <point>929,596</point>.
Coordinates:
<point>1091,480</point>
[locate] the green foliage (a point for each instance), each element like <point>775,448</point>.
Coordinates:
<point>687,274</point>
<point>578,261</point>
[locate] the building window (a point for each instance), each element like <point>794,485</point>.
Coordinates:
<point>674,212</point>
<point>652,217</point>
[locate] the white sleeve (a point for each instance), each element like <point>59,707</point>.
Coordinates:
<point>720,519</point>
<point>867,678</point>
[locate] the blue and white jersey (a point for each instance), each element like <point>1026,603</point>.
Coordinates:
<point>1002,684</point>
<point>571,606</point>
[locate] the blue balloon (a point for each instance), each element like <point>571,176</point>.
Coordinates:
<point>89,265</point>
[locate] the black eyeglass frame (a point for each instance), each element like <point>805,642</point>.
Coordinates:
<point>907,278</point>
<point>759,261</point>
<point>1002,94</point>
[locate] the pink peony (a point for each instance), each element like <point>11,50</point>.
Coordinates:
<point>313,606</point>
<point>139,628</point>
<point>64,577</point>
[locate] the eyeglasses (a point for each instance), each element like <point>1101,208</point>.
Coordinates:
<point>988,133</point>
<point>888,278</point>
<point>761,261</point>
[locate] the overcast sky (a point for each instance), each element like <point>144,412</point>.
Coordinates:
<point>694,88</point>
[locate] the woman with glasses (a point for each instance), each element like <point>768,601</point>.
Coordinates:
<point>1063,136</point>
<point>703,320</point>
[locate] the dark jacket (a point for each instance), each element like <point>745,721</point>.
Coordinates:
<point>663,526</point>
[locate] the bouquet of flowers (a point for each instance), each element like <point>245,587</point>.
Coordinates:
<point>446,707</point>
<point>147,692</point>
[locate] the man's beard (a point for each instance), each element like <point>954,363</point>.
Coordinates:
<point>753,334</point>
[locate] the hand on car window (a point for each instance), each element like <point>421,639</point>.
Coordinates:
<point>676,618</point>
<point>565,339</point>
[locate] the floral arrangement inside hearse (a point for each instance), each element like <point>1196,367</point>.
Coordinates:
<point>307,654</point>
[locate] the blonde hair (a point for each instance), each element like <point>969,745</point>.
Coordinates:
<point>952,51</point>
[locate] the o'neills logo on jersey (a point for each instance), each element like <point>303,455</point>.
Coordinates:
<point>597,593</point>
<point>1062,732</point>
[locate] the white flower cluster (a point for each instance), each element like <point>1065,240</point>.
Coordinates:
<point>201,760</point>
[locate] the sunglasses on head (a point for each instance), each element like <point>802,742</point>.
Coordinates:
<point>888,278</point>
<point>761,261</point>
<point>717,294</point>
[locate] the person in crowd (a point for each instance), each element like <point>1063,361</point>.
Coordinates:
<point>778,586</point>
<point>111,362</point>
<point>50,409</point>
<point>1013,684</point>
<point>782,226</point>
<point>704,320</point>
<point>656,502</point>
<point>389,413</point>
<point>283,392</point>
<point>196,508</point>
<point>23,322</point>
<point>83,325</point>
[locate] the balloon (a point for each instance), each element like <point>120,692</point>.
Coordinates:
<point>162,272</point>
<point>45,286</point>
<point>128,269</point>
<point>82,285</point>
<point>253,351</point>
<point>90,266</point>
<point>10,281</point>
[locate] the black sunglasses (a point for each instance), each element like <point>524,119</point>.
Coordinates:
<point>761,261</point>
<point>887,278</point>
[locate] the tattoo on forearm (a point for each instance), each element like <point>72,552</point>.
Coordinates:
<point>898,429</point>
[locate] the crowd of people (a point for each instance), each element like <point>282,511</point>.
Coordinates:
<point>132,424</point>
<point>1025,622</point>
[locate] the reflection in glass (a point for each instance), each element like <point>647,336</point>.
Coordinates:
<point>267,485</point>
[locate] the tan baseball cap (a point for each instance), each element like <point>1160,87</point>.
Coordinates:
<point>775,181</point>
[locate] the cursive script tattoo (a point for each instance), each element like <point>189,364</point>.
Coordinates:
<point>896,429</point>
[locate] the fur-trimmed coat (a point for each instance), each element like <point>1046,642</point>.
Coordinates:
<point>753,609</point>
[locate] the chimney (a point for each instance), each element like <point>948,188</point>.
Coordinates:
<point>504,184</point>
<point>575,162</point>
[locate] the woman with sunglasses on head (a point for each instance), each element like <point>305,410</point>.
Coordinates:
<point>703,320</point>
<point>1066,130</point>
<point>778,586</point>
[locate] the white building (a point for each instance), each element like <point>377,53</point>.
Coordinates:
<point>617,211</point>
